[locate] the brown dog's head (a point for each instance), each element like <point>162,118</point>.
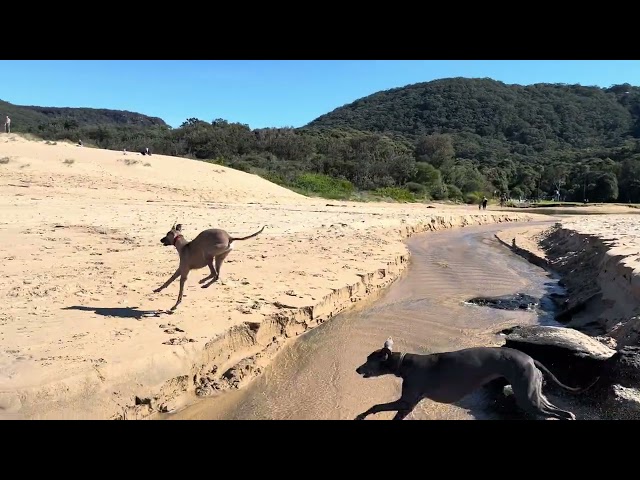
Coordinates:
<point>171,235</point>
<point>377,363</point>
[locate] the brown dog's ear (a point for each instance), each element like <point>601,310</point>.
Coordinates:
<point>179,227</point>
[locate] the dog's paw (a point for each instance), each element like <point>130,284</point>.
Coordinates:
<point>157,290</point>
<point>362,416</point>
<point>211,282</point>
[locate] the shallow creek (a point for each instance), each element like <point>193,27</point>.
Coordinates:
<point>425,311</point>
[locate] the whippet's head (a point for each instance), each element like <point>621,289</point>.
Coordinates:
<point>170,238</point>
<point>377,363</point>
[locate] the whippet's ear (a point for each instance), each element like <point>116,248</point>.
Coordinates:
<point>389,343</point>
<point>179,227</point>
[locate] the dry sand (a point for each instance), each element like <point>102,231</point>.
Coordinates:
<point>81,333</point>
<point>598,257</point>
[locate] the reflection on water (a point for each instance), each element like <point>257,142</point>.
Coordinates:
<point>425,311</point>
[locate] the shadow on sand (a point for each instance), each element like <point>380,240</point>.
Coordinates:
<point>121,312</point>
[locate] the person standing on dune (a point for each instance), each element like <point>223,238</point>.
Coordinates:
<point>7,125</point>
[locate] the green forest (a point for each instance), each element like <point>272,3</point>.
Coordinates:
<point>457,139</point>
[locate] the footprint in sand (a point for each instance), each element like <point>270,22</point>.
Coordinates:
<point>173,330</point>
<point>179,341</point>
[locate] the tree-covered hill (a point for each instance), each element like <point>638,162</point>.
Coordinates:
<point>452,138</point>
<point>34,117</point>
<point>527,118</point>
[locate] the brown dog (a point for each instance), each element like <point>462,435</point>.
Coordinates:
<point>200,252</point>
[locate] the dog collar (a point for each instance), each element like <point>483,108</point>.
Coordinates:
<point>176,239</point>
<point>399,364</point>
<point>400,360</point>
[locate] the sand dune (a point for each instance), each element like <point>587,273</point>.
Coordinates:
<point>81,333</point>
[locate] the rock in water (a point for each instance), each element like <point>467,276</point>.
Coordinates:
<point>519,301</point>
<point>573,357</point>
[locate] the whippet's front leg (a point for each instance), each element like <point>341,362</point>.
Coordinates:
<point>183,279</point>
<point>168,282</point>
<point>402,413</point>
<point>402,406</point>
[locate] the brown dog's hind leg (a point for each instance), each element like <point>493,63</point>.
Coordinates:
<point>219,259</point>
<point>218,264</point>
<point>213,274</point>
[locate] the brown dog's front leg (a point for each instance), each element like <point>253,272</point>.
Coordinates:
<point>183,279</point>
<point>168,282</point>
<point>399,405</point>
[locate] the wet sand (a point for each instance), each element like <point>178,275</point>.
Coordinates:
<point>424,311</point>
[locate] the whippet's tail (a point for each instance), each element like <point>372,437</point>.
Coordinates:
<point>232,239</point>
<point>558,382</point>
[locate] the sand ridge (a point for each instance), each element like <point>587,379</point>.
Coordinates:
<point>599,259</point>
<point>83,336</point>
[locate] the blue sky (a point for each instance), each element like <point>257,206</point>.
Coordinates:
<point>264,93</point>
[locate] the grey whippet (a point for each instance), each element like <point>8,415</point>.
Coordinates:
<point>448,377</point>
<point>200,252</point>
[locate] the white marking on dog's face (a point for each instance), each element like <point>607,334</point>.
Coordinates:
<point>389,343</point>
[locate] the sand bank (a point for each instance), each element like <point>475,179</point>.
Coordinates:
<point>83,336</point>
<point>598,257</point>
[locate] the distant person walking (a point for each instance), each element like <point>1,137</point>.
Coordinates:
<point>484,203</point>
<point>7,125</point>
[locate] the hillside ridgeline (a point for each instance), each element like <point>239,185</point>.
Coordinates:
<point>456,139</point>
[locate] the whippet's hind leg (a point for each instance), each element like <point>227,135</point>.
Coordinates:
<point>212,269</point>
<point>220,259</point>
<point>528,392</point>
<point>559,413</point>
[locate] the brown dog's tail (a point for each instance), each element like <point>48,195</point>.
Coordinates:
<point>558,382</point>
<point>247,237</point>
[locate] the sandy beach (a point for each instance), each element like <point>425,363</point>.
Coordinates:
<point>83,336</point>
